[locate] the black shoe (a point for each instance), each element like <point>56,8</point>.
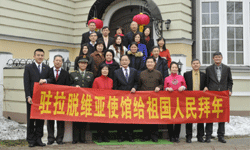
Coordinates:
<point>177,140</point>
<point>40,143</point>
<point>172,139</point>
<point>32,145</point>
<point>83,141</point>
<point>105,139</point>
<point>50,142</point>
<point>100,139</point>
<point>60,143</point>
<point>222,140</point>
<point>120,140</point>
<point>208,140</point>
<point>188,140</point>
<point>74,142</point>
<point>201,140</point>
<point>144,139</point>
<point>155,140</point>
<point>131,140</point>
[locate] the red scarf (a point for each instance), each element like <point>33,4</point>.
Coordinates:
<point>147,39</point>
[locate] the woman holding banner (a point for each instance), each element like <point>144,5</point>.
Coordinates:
<point>174,82</point>
<point>103,82</point>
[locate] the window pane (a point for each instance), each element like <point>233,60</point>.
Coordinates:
<point>238,6</point>
<point>205,7</point>
<point>214,33</point>
<point>230,58</point>
<point>205,33</point>
<point>214,7</point>
<point>230,6</point>
<point>239,45</point>
<point>215,45</point>
<point>230,19</point>
<point>230,32</point>
<point>239,33</point>
<point>230,45</point>
<point>206,58</point>
<point>205,19</point>
<point>214,18</point>
<point>238,19</point>
<point>239,58</point>
<point>205,45</point>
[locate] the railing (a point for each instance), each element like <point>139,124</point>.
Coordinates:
<point>21,63</point>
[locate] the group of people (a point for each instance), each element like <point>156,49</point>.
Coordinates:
<point>120,64</point>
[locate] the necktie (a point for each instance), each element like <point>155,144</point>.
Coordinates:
<point>126,74</point>
<point>196,84</point>
<point>39,69</point>
<point>218,73</point>
<point>82,73</point>
<point>57,75</point>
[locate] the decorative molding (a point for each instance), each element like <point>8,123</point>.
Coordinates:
<point>38,41</point>
<point>241,94</point>
<point>241,77</point>
<point>180,40</point>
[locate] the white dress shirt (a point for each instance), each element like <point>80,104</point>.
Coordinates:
<point>54,68</point>
<point>124,71</point>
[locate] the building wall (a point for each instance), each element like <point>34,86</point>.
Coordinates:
<point>26,50</point>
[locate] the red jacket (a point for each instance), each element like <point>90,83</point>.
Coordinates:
<point>103,82</point>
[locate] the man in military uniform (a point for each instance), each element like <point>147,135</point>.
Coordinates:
<point>81,78</point>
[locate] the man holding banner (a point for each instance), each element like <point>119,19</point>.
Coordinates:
<point>33,73</point>
<point>196,81</point>
<point>150,80</point>
<point>81,78</point>
<point>125,79</point>
<point>219,78</point>
<point>60,77</point>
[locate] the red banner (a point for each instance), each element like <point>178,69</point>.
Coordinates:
<point>57,102</point>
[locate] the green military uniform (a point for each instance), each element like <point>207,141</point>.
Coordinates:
<point>83,80</point>
<point>77,79</point>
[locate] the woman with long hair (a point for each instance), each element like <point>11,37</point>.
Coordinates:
<point>118,48</point>
<point>164,52</point>
<point>148,41</point>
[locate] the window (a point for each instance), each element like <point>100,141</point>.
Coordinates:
<point>223,27</point>
<point>234,33</point>
<point>210,30</point>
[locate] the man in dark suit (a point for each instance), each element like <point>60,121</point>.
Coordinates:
<point>219,78</point>
<point>196,81</point>
<point>60,77</point>
<point>85,36</point>
<point>81,78</point>
<point>107,40</point>
<point>125,79</point>
<point>34,73</point>
<point>161,63</point>
<point>128,39</point>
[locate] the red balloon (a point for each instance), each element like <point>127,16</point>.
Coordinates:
<point>98,22</point>
<point>141,19</point>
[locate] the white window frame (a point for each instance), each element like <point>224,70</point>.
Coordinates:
<point>223,30</point>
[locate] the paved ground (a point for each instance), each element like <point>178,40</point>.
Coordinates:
<point>232,144</point>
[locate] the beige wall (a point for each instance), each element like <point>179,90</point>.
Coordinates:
<point>26,50</point>
<point>181,49</point>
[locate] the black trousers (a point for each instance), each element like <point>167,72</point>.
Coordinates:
<point>51,131</point>
<point>150,131</point>
<point>189,130</point>
<point>79,129</point>
<point>174,130</point>
<point>102,130</point>
<point>220,131</point>
<point>121,131</point>
<point>34,128</point>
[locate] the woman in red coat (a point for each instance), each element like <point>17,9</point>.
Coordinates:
<point>103,82</point>
<point>164,52</point>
